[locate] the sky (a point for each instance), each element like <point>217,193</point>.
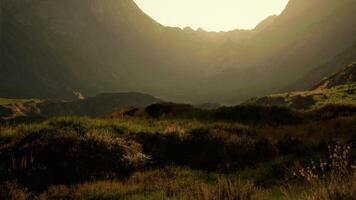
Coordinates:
<point>211,15</point>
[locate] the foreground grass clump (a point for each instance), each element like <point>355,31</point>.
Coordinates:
<point>333,178</point>
<point>335,188</point>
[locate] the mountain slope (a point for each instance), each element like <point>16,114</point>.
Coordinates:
<point>331,67</point>
<point>306,35</point>
<point>344,77</point>
<point>66,45</point>
<point>52,48</point>
<point>339,88</point>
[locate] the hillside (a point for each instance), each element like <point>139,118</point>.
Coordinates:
<point>331,67</point>
<point>98,101</point>
<point>339,88</point>
<point>343,77</point>
<point>52,48</point>
<point>97,106</point>
<point>295,43</point>
<point>66,46</point>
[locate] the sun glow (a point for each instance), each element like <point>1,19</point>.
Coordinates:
<point>211,15</point>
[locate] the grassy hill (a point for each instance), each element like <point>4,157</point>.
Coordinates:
<point>339,89</point>
<point>343,94</point>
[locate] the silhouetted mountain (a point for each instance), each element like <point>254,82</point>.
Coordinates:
<point>265,23</point>
<point>306,35</point>
<point>51,48</point>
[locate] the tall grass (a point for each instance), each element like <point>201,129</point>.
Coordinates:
<point>330,179</point>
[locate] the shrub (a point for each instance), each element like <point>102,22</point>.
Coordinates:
<point>48,156</point>
<point>174,110</point>
<point>207,148</point>
<point>253,114</point>
<point>332,111</point>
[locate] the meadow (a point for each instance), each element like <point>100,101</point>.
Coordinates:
<point>270,153</point>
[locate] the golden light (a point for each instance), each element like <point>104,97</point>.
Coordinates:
<point>211,15</point>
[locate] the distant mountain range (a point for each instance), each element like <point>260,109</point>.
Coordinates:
<point>49,49</point>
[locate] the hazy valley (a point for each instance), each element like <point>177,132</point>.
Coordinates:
<point>100,101</point>
<point>95,47</point>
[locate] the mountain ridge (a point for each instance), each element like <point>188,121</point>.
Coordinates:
<point>95,46</point>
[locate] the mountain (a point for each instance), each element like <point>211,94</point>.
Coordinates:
<point>339,88</point>
<point>57,47</point>
<point>96,106</point>
<point>52,49</point>
<point>333,66</point>
<point>295,43</point>
<point>344,77</point>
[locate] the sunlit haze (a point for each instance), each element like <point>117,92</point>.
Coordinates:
<point>211,15</point>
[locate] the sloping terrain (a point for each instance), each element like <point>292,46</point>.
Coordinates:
<point>344,77</point>
<point>337,89</point>
<point>51,48</point>
<point>297,41</point>
<point>324,71</point>
<point>96,106</point>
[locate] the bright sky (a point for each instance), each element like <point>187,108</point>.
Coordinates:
<point>211,15</point>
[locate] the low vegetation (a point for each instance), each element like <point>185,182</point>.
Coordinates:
<point>4,101</point>
<point>313,99</point>
<point>173,156</point>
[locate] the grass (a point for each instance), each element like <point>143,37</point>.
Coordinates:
<point>171,157</point>
<point>314,99</point>
<point>4,101</point>
<point>166,183</point>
